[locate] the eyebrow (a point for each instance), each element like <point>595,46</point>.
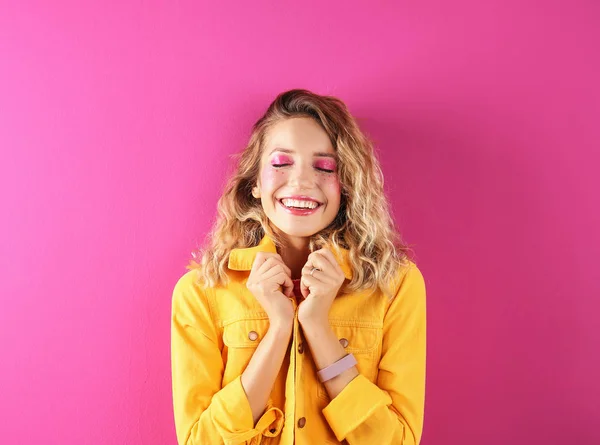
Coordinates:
<point>317,153</point>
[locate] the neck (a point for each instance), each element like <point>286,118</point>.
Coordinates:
<point>295,254</point>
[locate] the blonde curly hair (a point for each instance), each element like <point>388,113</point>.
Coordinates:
<point>363,225</point>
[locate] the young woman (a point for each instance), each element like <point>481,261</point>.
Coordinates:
<point>303,322</point>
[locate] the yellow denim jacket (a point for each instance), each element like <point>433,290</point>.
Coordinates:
<point>215,331</point>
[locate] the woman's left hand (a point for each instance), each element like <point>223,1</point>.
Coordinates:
<point>320,289</point>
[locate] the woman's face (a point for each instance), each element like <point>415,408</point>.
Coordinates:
<point>298,161</point>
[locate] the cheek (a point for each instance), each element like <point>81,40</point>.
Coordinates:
<point>331,185</point>
<point>271,178</point>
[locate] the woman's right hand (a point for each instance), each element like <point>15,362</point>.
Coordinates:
<point>268,273</point>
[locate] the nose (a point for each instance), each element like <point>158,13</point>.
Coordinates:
<point>302,177</point>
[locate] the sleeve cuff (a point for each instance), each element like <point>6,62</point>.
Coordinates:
<point>353,405</point>
<point>232,415</point>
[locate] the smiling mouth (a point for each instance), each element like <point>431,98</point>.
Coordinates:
<point>318,204</point>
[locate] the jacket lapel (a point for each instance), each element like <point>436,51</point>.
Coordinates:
<point>242,258</point>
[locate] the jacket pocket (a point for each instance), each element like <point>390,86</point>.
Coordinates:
<point>364,343</point>
<point>241,337</point>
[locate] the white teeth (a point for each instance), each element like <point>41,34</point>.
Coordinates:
<point>298,203</point>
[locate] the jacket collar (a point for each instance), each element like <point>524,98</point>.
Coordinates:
<point>242,258</point>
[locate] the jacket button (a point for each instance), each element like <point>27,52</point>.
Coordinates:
<point>301,422</point>
<point>301,348</point>
<point>252,335</point>
<point>343,342</point>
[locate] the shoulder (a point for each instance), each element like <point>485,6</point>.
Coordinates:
<point>413,274</point>
<point>188,290</point>
<point>187,281</point>
<point>192,305</point>
<point>409,282</point>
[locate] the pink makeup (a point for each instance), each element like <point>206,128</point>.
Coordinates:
<point>326,164</point>
<point>325,181</point>
<point>280,159</point>
<point>321,164</point>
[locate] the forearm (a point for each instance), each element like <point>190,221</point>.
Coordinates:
<point>260,374</point>
<point>326,350</point>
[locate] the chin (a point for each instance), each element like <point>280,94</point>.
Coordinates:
<point>298,228</point>
<point>301,231</point>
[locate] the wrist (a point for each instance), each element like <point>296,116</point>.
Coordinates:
<point>314,322</point>
<point>281,328</point>
<point>316,331</point>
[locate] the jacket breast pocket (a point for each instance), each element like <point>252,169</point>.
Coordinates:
<point>241,338</point>
<point>362,342</point>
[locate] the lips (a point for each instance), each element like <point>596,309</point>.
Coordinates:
<point>299,211</point>
<point>300,198</point>
<point>316,202</point>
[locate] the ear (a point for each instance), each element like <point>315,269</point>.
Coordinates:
<point>256,192</point>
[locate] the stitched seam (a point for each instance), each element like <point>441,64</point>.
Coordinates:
<point>400,283</point>
<point>245,343</point>
<point>376,324</point>
<point>246,317</point>
<point>210,296</point>
<point>363,418</point>
<point>370,348</point>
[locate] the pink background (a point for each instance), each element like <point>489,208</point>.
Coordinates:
<point>116,126</point>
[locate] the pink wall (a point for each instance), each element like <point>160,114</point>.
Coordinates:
<point>116,123</point>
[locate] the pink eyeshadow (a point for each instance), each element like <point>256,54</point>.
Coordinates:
<point>328,165</point>
<point>281,160</point>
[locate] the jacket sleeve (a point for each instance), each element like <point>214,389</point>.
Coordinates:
<point>390,411</point>
<point>205,412</point>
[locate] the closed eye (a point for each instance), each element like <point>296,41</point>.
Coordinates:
<point>318,168</point>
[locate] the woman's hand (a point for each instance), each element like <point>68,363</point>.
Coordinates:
<point>321,288</point>
<point>268,273</point>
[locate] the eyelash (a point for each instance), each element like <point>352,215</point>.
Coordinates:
<point>320,169</point>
